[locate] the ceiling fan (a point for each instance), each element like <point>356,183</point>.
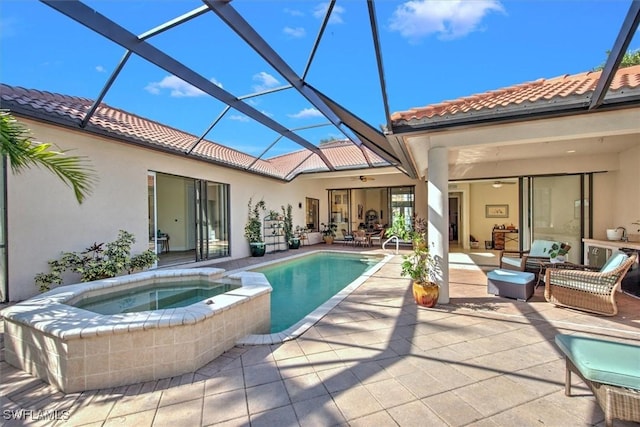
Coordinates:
<point>498,184</point>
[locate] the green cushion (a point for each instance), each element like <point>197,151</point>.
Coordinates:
<point>615,261</point>
<point>601,361</point>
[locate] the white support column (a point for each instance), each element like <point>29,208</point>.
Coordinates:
<point>438,217</point>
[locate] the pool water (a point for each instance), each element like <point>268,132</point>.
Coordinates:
<point>303,284</point>
<point>154,297</point>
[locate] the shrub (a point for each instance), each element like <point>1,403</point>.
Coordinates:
<point>99,261</point>
<point>253,228</point>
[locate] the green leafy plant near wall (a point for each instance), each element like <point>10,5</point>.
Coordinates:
<point>253,227</point>
<point>99,261</point>
<point>288,222</point>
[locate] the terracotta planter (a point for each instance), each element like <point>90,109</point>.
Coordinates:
<point>426,294</point>
<point>328,240</point>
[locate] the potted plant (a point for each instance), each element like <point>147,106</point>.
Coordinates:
<point>329,232</point>
<point>301,234</point>
<point>253,228</point>
<point>419,265</point>
<point>418,234</point>
<point>557,252</point>
<point>273,215</point>
<point>398,228</point>
<point>292,239</point>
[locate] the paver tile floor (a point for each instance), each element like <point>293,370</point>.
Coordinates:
<point>376,359</point>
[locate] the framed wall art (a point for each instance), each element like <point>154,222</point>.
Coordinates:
<point>496,211</point>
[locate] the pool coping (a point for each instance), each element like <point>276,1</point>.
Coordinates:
<point>312,318</point>
<point>71,322</point>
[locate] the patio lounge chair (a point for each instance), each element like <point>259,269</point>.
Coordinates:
<point>610,369</point>
<point>531,259</point>
<point>580,287</point>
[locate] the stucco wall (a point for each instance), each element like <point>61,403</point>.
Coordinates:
<point>45,219</point>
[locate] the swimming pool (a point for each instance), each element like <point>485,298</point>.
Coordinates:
<point>305,287</point>
<point>302,284</point>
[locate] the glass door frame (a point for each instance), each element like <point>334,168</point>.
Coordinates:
<point>153,213</point>
<point>201,220</point>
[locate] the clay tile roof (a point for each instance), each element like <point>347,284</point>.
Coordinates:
<point>70,111</point>
<point>342,154</point>
<point>569,88</point>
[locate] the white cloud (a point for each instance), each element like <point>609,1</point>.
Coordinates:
<point>177,87</point>
<point>306,113</point>
<point>265,81</point>
<point>100,69</point>
<point>296,33</point>
<point>239,117</point>
<point>449,19</point>
<point>336,13</point>
<point>293,12</point>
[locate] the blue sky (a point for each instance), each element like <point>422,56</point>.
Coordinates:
<point>432,51</point>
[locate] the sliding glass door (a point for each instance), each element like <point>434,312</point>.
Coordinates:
<point>558,209</point>
<point>212,213</point>
<point>188,218</point>
<point>370,209</point>
<point>402,203</point>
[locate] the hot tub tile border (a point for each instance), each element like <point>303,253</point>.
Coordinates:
<point>71,324</point>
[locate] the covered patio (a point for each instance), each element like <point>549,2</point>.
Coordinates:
<point>375,359</point>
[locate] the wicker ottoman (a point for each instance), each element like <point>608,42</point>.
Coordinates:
<point>511,284</point>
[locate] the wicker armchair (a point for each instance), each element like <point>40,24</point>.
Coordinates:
<point>580,287</point>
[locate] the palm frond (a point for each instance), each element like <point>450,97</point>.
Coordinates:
<point>22,152</point>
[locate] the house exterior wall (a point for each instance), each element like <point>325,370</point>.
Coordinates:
<point>44,219</point>
<point>617,196</point>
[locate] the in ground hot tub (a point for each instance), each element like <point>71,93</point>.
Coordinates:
<point>75,349</point>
